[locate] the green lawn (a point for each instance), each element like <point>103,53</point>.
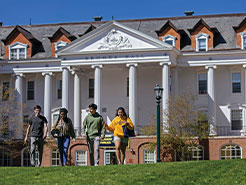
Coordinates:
<point>203,172</point>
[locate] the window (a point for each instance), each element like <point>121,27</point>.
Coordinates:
<point>30,90</point>
<point>127,87</point>
<point>5,95</point>
<point>195,153</point>
<point>91,88</point>
<point>230,152</point>
<point>243,38</point>
<point>55,157</point>
<point>236,119</point>
<point>169,40</point>
<point>17,51</point>
<point>5,158</point>
<point>149,156</point>
<point>81,158</point>
<point>202,42</point>
<point>55,117</point>
<point>59,89</point>
<point>25,157</point>
<point>60,44</point>
<point>202,83</point>
<point>236,82</point>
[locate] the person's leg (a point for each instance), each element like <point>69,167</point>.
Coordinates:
<point>66,143</point>
<point>32,152</point>
<point>117,149</point>
<point>40,150</point>
<point>96,150</point>
<point>60,147</point>
<point>90,143</point>
<point>123,151</point>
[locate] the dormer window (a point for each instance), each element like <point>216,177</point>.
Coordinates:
<point>243,38</point>
<point>202,42</point>
<point>169,40</point>
<point>60,44</point>
<point>17,51</point>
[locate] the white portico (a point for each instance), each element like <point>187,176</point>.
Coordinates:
<point>125,50</point>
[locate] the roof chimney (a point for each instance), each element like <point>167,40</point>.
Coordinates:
<point>97,18</point>
<point>189,13</point>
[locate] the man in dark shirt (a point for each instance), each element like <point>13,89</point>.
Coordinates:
<point>38,127</point>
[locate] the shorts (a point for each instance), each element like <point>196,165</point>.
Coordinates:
<point>123,140</point>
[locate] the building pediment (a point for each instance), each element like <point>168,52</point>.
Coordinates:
<point>112,36</point>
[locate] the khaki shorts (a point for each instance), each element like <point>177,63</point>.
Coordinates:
<point>123,140</point>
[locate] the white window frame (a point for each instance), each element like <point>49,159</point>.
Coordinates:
<point>18,46</point>
<point>148,161</point>
<point>202,36</point>
<point>196,149</point>
<point>54,112</point>
<point>243,37</point>
<point>60,44</point>
<point>30,80</point>
<point>81,161</point>
<point>230,146</point>
<point>242,118</point>
<point>236,93</point>
<point>56,151</point>
<point>199,73</point>
<point>169,38</point>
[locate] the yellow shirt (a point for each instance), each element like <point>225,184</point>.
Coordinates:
<point>116,126</point>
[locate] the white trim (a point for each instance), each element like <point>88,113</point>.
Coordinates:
<point>146,150</point>
<point>243,37</point>
<point>169,38</point>
<point>217,62</point>
<point>86,162</point>
<point>37,70</point>
<point>107,27</point>
<point>17,46</point>
<point>199,37</point>
<point>231,144</point>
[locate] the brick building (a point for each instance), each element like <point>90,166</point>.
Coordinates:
<point>118,63</point>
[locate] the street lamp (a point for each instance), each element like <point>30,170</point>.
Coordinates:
<point>158,93</point>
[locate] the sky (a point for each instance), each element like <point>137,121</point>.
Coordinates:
<point>16,12</point>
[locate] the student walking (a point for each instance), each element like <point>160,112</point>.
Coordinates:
<point>93,130</point>
<point>63,130</point>
<point>38,126</point>
<point>120,140</point>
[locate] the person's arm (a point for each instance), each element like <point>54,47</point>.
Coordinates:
<point>129,124</point>
<point>111,126</point>
<point>45,130</point>
<point>103,130</point>
<point>83,127</point>
<point>71,130</point>
<point>27,132</point>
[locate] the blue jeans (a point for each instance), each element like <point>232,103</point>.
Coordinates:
<point>63,145</point>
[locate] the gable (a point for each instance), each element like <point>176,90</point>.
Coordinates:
<point>113,36</point>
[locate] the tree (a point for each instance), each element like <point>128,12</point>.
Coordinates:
<point>185,128</point>
<point>11,121</point>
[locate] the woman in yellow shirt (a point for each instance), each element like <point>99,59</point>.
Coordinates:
<point>120,141</point>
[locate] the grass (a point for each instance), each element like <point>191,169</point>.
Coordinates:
<point>201,172</point>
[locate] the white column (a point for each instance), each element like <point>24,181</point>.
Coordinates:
<point>77,104</point>
<point>175,81</point>
<point>132,92</point>
<point>98,86</point>
<point>166,91</point>
<point>19,105</point>
<point>47,98</point>
<point>65,87</point>
<point>211,99</point>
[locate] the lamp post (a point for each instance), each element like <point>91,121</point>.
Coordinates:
<point>158,93</point>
